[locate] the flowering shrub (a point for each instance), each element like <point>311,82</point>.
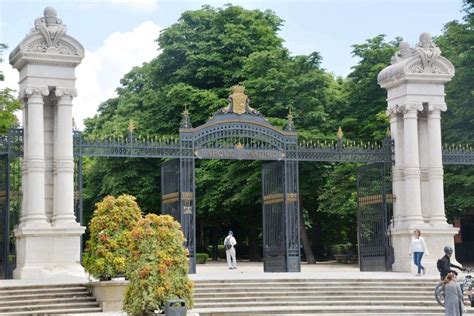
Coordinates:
<point>107,249</point>
<point>158,265</point>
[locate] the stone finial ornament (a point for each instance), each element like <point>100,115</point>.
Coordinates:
<point>424,59</point>
<point>404,52</point>
<point>52,29</point>
<point>429,53</point>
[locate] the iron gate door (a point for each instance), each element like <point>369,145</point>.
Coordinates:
<point>274,255</point>
<point>4,217</point>
<point>177,200</point>
<point>373,217</point>
<point>170,189</point>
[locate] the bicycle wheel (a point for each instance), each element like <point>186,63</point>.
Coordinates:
<point>439,294</point>
<point>468,287</point>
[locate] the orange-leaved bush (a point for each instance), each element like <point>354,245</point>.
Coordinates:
<point>158,265</point>
<point>110,228</point>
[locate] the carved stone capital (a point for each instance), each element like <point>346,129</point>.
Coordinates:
<point>411,107</point>
<point>29,91</point>
<point>441,107</point>
<point>64,92</point>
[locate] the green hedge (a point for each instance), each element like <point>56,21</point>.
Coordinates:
<point>201,258</point>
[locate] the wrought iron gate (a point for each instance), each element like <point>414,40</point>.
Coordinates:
<point>177,200</point>
<point>4,212</point>
<point>374,200</point>
<point>281,247</point>
<point>170,189</point>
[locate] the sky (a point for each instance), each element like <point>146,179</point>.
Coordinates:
<point>120,34</point>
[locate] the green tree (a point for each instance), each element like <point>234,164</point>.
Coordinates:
<point>456,44</point>
<point>8,103</point>
<point>202,56</point>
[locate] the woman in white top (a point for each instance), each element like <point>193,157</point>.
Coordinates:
<point>418,248</point>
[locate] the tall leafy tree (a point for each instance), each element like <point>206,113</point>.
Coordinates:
<point>8,103</point>
<point>202,55</point>
<point>457,42</point>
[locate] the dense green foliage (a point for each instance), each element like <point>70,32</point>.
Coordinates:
<point>457,44</point>
<point>106,251</point>
<point>211,49</point>
<point>8,103</point>
<point>157,267</point>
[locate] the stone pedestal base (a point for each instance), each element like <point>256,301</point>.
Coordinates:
<point>109,294</point>
<point>51,253</point>
<point>436,239</point>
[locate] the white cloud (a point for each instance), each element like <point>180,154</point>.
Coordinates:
<point>101,70</point>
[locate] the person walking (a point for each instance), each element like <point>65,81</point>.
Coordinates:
<point>229,243</point>
<point>452,296</point>
<point>417,249</point>
<point>444,264</point>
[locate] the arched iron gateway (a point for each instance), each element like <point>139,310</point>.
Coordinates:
<point>235,132</point>
<point>240,132</point>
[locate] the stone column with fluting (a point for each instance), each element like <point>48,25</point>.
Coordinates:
<point>63,212</point>
<point>396,130</point>
<point>412,165</point>
<point>33,213</point>
<point>435,165</point>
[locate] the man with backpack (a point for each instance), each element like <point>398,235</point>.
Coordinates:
<point>444,264</point>
<point>229,243</point>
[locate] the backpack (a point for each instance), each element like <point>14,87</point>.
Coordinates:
<point>439,264</point>
<point>227,244</point>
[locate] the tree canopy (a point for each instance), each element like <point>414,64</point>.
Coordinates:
<point>211,49</point>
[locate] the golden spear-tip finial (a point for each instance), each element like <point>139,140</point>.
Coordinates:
<point>131,126</point>
<point>340,133</point>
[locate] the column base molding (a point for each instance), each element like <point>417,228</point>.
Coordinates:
<point>51,253</point>
<point>66,220</point>
<point>436,239</point>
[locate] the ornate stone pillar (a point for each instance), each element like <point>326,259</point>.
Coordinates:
<point>412,165</point>
<point>34,210</point>
<point>435,165</point>
<point>48,239</point>
<point>63,212</point>
<point>416,78</point>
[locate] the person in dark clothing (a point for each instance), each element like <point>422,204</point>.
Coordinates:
<point>446,265</point>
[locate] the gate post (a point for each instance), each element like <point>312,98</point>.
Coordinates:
<point>48,238</point>
<point>415,95</point>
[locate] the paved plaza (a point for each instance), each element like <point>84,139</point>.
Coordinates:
<point>328,270</point>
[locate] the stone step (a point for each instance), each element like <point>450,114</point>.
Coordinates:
<point>69,300</point>
<point>4,292</point>
<point>311,288</point>
<point>304,293</point>
<point>298,279</point>
<point>334,302</point>
<point>41,286</point>
<point>41,307</point>
<point>44,295</point>
<point>47,299</point>
<point>66,311</point>
<point>336,310</point>
<point>309,298</point>
<point>317,282</point>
